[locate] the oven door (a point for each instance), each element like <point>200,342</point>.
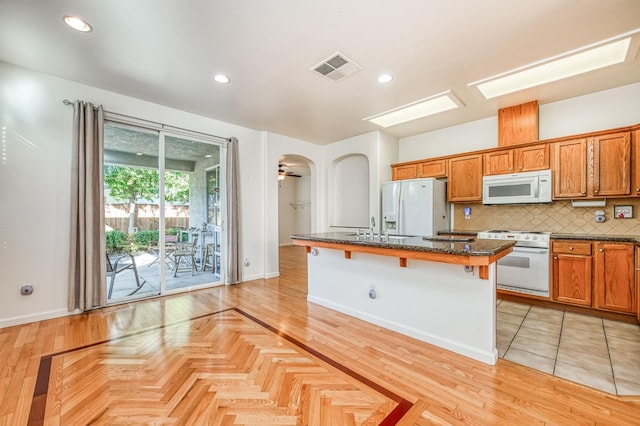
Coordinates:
<point>525,268</point>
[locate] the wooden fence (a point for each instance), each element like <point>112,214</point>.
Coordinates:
<point>148,217</point>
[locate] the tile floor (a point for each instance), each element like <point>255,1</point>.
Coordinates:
<point>596,352</point>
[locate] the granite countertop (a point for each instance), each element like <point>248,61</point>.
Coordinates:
<point>597,237</point>
<point>567,236</point>
<point>465,246</point>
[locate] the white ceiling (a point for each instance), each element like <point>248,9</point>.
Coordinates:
<point>166,51</point>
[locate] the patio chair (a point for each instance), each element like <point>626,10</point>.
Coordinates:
<point>120,264</point>
<point>184,253</point>
<point>169,247</point>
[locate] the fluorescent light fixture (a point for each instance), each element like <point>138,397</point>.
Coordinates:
<point>385,78</point>
<point>579,61</point>
<point>221,78</point>
<point>418,109</point>
<point>77,23</point>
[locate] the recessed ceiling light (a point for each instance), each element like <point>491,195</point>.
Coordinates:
<point>208,156</point>
<point>385,78</point>
<point>77,23</point>
<point>139,154</point>
<point>221,78</point>
<point>579,61</point>
<point>418,109</point>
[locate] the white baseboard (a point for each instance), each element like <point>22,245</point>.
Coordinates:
<point>40,316</point>
<point>486,357</point>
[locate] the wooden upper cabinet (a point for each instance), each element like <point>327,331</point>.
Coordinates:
<point>518,124</point>
<point>408,171</point>
<point>614,277</point>
<point>465,178</point>
<point>592,168</point>
<point>530,158</point>
<point>611,164</point>
<point>433,169</point>
<point>523,159</point>
<point>569,168</point>
<point>635,163</point>
<point>498,162</point>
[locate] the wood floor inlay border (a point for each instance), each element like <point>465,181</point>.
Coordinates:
<point>38,407</point>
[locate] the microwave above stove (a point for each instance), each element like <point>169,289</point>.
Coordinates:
<point>517,188</point>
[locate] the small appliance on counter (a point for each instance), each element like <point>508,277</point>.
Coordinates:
<point>414,207</point>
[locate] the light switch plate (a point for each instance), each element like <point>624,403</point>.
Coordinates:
<point>623,212</point>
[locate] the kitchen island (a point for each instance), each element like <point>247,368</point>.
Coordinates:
<point>440,290</point>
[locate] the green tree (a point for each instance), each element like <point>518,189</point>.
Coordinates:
<point>136,184</point>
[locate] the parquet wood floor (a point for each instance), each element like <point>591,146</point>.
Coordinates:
<point>156,350</point>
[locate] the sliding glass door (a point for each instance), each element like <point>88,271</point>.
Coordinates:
<point>159,234</point>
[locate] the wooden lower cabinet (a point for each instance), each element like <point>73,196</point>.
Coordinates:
<point>601,275</point>
<point>615,288</point>
<point>638,283</point>
<point>572,278</point>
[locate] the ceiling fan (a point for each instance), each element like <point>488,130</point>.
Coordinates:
<point>282,173</point>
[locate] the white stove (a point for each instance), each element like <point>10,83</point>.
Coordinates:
<point>522,238</point>
<point>526,268</point>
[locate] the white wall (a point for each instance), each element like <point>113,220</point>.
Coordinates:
<point>349,191</point>
<point>35,180</point>
<point>608,109</point>
<point>466,137</point>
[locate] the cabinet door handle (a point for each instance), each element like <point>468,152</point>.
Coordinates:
<point>601,250</point>
<point>637,189</point>
<point>584,192</point>
<point>556,258</point>
<point>596,191</point>
<point>570,248</point>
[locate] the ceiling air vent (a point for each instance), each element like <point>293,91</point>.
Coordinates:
<point>337,67</point>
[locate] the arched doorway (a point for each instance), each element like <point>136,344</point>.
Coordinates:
<point>295,216</point>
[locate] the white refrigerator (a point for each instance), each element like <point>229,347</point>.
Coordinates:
<point>415,207</point>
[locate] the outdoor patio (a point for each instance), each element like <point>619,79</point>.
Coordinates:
<point>148,269</point>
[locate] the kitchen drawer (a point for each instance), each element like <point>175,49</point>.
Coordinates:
<point>572,247</point>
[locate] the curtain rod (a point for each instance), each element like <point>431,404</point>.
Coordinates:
<point>162,125</point>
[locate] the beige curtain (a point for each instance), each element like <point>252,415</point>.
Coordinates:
<point>87,269</point>
<point>234,265</point>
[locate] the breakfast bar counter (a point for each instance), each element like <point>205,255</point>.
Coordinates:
<point>437,289</point>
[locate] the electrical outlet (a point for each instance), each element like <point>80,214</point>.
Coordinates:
<point>246,262</point>
<point>623,212</point>
<point>26,289</point>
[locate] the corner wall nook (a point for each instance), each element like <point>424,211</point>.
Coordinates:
<point>349,196</point>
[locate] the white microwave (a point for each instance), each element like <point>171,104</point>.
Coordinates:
<point>517,188</point>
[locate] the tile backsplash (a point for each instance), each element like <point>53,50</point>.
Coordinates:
<point>559,217</point>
